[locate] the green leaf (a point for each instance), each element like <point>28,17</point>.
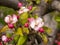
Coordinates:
<point>23,18</point>
<point>16,38</point>
<point>22,40</point>
<point>2,21</point>
<point>35,16</point>
<point>7,11</point>
<point>9,34</point>
<point>33,9</point>
<point>45,39</point>
<point>25,30</point>
<point>47,30</point>
<point>19,32</point>
<point>5,28</point>
<point>37,1</point>
<point>57,18</point>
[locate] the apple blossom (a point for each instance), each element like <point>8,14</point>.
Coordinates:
<point>30,19</point>
<point>22,10</point>
<point>11,19</point>
<point>37,24</point>
<point>8,19</point>
<point>14,19</point>
<point>4,38</point>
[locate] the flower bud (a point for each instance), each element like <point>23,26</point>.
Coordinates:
<point>11,26</point>
<point>41,30</point>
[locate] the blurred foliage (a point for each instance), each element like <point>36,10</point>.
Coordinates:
<point>19,32</point>
<point>22,40</point>
<point>23,18</point>
<point>7,11</point>
<point>47,30</point>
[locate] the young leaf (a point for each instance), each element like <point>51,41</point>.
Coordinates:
<point>37,1</point>
<point>45,39</point>
<point>23,18</point>
<point>25,30</point>
<point>22,40</point>
<point>5,28</point>
<point>16,38</point>
<point>19,32</point>
<point>47,30</point>
<point>57,18</point>
<point>33,9</point>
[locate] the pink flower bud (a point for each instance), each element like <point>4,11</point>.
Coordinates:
<point>4,38</point>
<point>20,4</point>
<point>18,17</point>
<point>26,25</point>
<point>30,19</point>
<point>58,43</point>
<point>9,39</point>
<point>11,26</point>
<point>41,30</point>
<point>0,43</point>
<point>30,7</point>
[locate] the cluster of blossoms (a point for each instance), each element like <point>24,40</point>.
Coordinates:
<point>11,20</point>
<point>33,23</point>
<point>23,9</point>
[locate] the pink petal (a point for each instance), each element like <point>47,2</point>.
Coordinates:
<point>30,19</point>
<point>4,38</point>
<point>14,19</point>
<point>7,19</point>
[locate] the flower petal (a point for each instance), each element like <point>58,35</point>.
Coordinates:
<point>7,19</point>
<point>4,38</point>
<point>32,24</point>
<point>14,19</point>
<point>38,20</point>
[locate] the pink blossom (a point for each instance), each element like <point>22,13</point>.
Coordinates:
<point>4,38</point>
<point>11,19</point>
<point>36,23</point>
<point>30,19</point>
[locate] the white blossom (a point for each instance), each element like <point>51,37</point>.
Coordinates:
<point>11,19</point>
<point>4,38</point>
<point>37,23</point>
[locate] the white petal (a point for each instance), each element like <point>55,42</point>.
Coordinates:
<point>14,19</point>
<point>38,20</point>
<point>25,10</point>
<point>39,26</point>
<point>32,24</point>
<point>4,38</point>
<point>20,11</point>
<point>7,19</point>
